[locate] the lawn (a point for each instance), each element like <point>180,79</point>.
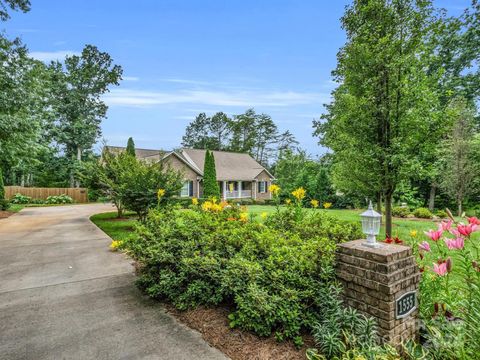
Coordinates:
<point>15,207</point>
<point>119,229</point>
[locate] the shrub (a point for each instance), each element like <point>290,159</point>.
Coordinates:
<point>20,199</point>
<point>59,199</point>
<point>422,213</point>
<point>400,211</point>
<point>4,203</point>
<point>442,214</point>
<point>270,273</point>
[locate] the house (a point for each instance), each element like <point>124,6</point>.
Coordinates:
<point>239,175</point>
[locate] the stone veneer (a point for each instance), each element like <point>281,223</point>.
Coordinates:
<point>373,278</point>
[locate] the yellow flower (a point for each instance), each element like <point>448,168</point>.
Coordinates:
<point>288,201</point>
<point>195,201</point>
<point>264,215</point>
<point>327,205</point>
<point>160,193</point>
<point>217,207</point>
<point>413,233</point>
<point>243,217</point>
<point>115,244</point>
<point>299,193</point>
<point>314,203</point>
<point>274,189</point>
<point>207,206</point>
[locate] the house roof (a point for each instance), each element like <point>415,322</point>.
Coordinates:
<point>139,153</point>
<point>228,165</point>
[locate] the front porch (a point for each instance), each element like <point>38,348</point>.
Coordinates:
<point>236,189</point>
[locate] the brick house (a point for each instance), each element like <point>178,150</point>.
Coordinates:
<point>239,175</point>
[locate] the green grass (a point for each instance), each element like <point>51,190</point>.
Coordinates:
<point>15,207</point>
<point>121,229</point>
<point>117,229</point>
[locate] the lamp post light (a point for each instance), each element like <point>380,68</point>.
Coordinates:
<point>371,221</point>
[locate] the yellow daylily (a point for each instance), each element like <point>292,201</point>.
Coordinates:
<point>195,201</point>
<point>115,244</point>
<point>274,189</point>
<point>299,193</point>
<point>243,216</point>
<point>160,193</point>
<point>314,203</point>
<point>414,233</point>
<point>264,215</point>
<point>288,201</point>
<point>327,205</point>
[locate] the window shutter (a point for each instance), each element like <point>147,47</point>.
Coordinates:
<point>190,188</point>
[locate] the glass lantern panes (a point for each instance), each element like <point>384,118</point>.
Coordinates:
<point>371,221</point>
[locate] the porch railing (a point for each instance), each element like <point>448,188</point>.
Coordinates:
<point>239,194</point>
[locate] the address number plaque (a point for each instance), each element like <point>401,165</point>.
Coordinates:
<point>405,304</point>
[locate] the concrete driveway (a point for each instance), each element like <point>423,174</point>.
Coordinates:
<point>64,295</point>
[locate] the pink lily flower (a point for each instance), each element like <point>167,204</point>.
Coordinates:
<point>473,220</point>
<point>440,269</point>
<point>435,235</point>
<point>445,225</point>
<point>457,243</point>
<point>425,246</point>
<point>466,230</point>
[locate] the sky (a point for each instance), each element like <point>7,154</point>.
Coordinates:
<point>183,57</point>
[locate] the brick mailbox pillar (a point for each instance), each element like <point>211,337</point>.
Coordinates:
<point>381,283</point>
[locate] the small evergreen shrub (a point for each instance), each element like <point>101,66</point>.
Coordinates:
<point>423,213</point>
<point>59,199</point>
<point>400,211</point>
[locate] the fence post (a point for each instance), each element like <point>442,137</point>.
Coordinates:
<point>381,283</point>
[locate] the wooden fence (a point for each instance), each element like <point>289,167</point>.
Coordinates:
<point>79,195</point>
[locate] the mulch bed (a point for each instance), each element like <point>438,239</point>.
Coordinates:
<point>5,214</point>
<point>212,323</point>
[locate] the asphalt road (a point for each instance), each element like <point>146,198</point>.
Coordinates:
<point>64,295</point>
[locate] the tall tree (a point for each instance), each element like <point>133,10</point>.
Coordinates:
<point>459,155</point>
<point>78,85</point>
<point>210,184</point>
<point>130,147</point>
<point>22,5</point>
<point>382,113</point>
<point>208,132</point>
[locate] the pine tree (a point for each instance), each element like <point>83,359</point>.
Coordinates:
<point>210,184</point>
<point>130,147</point>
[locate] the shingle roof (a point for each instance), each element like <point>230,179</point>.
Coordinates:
<point>139,153</point>
<point>229,165</point>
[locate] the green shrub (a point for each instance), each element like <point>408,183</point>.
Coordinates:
<point>400,211</point>
<point>4,203</point>
<point>422,213</point>
<point>442,214</point>
<point>269,273</point>
<point>59,199</point>
<point>20,199</point>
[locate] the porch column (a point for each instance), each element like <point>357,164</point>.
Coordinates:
<point>198,188</point>
<point>239,189</point>
<point>224,190</point>
<point>254,190</point>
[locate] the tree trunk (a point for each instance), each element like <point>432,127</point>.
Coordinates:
<point>388,215</point>
<point>460,207</point>
<point>379,205</point>
<point>431,200</point>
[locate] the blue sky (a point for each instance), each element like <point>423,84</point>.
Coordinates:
<point>185,57</point>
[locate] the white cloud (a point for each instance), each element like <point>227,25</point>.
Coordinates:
<point>130,78</point>
<point>48,56</point>
<point>238,98</point>
<point>186,81</point>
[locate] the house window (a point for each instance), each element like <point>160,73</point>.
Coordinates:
<point>262,187</point>
<point>187,189</point>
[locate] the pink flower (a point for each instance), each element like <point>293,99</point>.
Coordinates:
<point>434,234</point>
<point>473,220</point>
<point>466,230</point>
<point>457,243</point>
<point>425,246</point>
<point>440,269</point>
<point>445,225</point>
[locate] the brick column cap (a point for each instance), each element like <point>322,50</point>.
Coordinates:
<point>385,254</point>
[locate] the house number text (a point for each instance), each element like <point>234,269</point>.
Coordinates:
<point>405,304</point>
